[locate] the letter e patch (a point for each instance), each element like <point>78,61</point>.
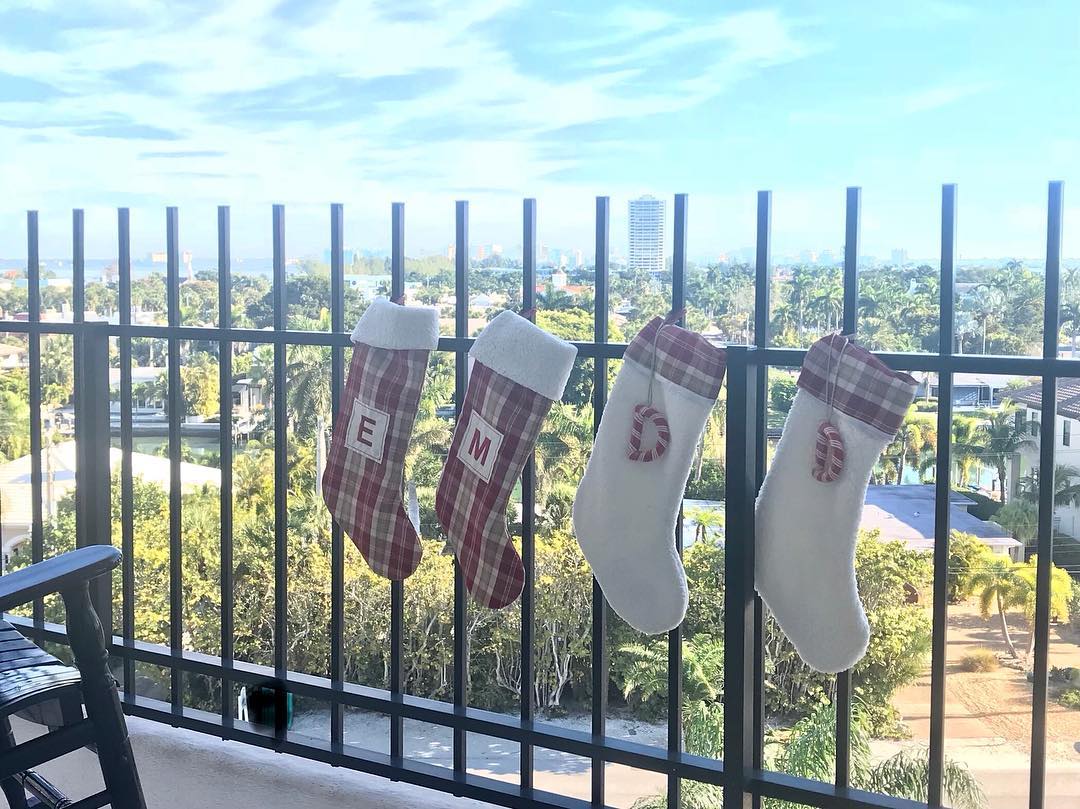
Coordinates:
<point>480,446</point>
<point>367,431</point>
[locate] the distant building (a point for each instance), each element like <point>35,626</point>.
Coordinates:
<point>559,279</point>
<point>348,256</point>
<point>12,356</point>
<point>972,391</point>
<point>647,234</point>
<point>899,256</point>
<point>369,285</point>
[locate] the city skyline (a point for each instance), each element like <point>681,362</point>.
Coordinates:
<point>105,105</point>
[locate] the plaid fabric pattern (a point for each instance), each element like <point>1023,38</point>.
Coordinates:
<point>682,357</point>
<point>364,491</point>
<point>861,385</point>
<point>472,509</point>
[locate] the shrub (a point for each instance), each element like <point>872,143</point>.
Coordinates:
<point>710,485</point>
<point>1074,606</point>
<point>979,660</point>
<point>1021,519</point>
<point>1070,698</point>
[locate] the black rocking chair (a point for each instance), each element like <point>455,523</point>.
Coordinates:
<point>36,683</point>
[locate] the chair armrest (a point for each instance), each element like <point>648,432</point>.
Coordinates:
<point>55,575</point>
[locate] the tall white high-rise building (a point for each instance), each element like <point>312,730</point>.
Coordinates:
<point>647,234</point>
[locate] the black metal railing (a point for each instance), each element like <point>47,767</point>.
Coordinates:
<point>741,773</point>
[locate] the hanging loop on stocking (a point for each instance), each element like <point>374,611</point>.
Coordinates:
<point>645,413</point>
<point>829,444</point>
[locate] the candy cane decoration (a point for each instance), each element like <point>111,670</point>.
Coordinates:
<point>643,413</point>
<point>828,453</point>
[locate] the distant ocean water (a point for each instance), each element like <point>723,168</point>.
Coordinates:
<point>140,268</point>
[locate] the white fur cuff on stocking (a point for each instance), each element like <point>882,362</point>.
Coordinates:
<point>848,408</point>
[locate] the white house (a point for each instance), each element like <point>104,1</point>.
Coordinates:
<point>1066,437</point>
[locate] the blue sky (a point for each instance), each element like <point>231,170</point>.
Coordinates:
<point>106,103</point>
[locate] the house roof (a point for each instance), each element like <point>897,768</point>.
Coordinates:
<point>16,477</point>
<point>1068,397</point>
<point>906,513</point>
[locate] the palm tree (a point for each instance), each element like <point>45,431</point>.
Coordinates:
<point>1066,490</point>
<point>808,750</point>
<point>830,300</point>
<point>644,672</point>
<point>705,520</point>
<point>712,442</point>
<point>1024,596</point>
<point>1070,322</point>
<point>914,441</point>
<point>996,585</point>
<point>966,450</point>
<point>999,439</point>
<point>564,444</point>
<point>14,425</point>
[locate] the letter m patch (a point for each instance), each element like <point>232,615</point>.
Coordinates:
<point>479,447</point>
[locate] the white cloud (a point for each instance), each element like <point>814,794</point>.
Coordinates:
<point>944,95</point>
<point>240,47</point>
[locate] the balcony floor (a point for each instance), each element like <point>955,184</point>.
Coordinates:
<point>181,769</point>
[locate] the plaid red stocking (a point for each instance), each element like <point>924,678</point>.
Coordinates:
<point>362,483</point>
<point>518,371</point>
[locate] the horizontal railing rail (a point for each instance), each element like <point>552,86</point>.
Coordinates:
<point>741,773</point>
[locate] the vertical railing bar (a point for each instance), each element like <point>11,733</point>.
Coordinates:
<point>397,588</point>
<point>281,479</point>
<point>675,663</point>
<point>78,265</point>
<point>127,486</point>
<point>851,316</point>
<point>93,508</point>
<point>599,604</point>
<point>176,584</point>
<point>461,383</point>
<point>33,309</point>
<point>528,511</point>
<point>942,495</point>
<point>762,338</point>
<point>337,535</point>
<point>741,482</point>
<point>852,216</point>
<point>1047,442</point>
<point>225,448</point>
<point>78,296</point>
